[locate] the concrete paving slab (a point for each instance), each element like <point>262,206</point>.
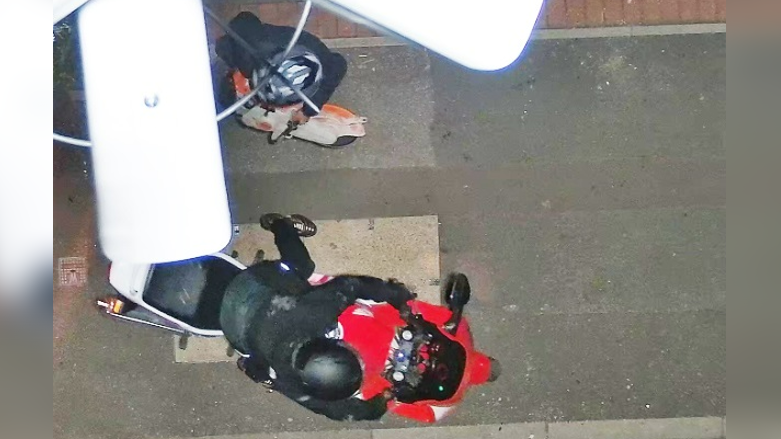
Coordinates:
<point>666,428</point>
<point>678,428</point>
<point>617,365</point>
<point>202,350</point>
<point>389,86</point>
<point>405,248</point>
<point>573,100</point>
<point>486,191</point>
<point>529,430</point>
<point>633,260</point>
<point>328,434</point>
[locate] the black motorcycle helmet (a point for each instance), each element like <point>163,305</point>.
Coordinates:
<point>328,369</point>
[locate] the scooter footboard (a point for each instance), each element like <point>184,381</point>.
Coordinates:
<point>113,308</point>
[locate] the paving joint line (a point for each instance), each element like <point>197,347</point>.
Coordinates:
<point>557,34</point>
<point>707,427</point>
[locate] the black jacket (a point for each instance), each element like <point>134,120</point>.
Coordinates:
<point>286,321</point>
<point>268,39</point>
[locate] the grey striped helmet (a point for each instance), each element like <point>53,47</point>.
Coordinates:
<point>301,67</point>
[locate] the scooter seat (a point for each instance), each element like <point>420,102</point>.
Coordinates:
<point>192,290</point>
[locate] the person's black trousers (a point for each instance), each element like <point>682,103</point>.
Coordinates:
<point>292,250</point>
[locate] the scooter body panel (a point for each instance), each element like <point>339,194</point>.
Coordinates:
<point>324,128</point>
<point>130,281</point>
<point>371,327</point>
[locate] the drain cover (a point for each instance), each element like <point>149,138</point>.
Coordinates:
<point>73,271</point>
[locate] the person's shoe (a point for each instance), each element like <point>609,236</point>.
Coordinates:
<point>268,219</point>
<point>260,255</point>
<point>303,225</point>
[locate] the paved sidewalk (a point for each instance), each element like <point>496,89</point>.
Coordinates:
<point>672,428</point>
<point>583,191</point>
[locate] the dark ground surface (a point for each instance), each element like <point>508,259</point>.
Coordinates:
<point>583,191</point>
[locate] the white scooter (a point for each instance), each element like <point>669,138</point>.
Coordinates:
<point>182,297</point>
<point>333,127</point>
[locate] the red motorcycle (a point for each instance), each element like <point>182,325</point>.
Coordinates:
<point>427,359</point>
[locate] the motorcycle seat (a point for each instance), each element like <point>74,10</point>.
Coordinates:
<point>192,290</point>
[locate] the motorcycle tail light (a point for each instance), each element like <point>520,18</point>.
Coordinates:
<point>116,306</point>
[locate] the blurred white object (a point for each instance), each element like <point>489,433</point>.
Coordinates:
<point>483,35</point>
<point>26,160</point>
<point>62,8</point>
<point>160,189</point>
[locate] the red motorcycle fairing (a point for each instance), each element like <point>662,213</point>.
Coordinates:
<point>371,328</point>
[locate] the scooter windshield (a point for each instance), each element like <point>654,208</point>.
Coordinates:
<point>435,367</point>
<point>445,371</point>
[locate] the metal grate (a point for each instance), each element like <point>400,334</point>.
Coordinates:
<point>73,271</point>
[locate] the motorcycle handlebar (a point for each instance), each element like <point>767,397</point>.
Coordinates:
<point>414,320</point>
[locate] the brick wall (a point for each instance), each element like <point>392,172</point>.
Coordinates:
<point>557,14</point>
<point>562,14</point>
<point>321,23</point>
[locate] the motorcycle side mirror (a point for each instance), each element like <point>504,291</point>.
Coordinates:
<point>457,291</point>
<point>456,294</point>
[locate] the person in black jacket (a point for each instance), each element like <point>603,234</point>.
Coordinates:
<point>286,326</point>
<point>269,41</point>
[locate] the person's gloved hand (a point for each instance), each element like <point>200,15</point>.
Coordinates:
<point>299,117</point>
<point>401,295</point>
<point>256,372</point>
<point>378,405</point>
<point>405,311</point>
<point>402,289</point>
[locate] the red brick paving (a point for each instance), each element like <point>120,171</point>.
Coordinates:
<point>289,13</point>
<point>614,12</point>
<point>669,10</point>
<point>558,14</point>
<point>576,13</point>
<point>595,13</point>
<point>721,10</point>
<point>633,12</point>
<point>361,31</point>
<point>312,24</point>
<point>269,12</point>
<point>652,12</point>
<point>688,11</point>
<point>328,25</point>
<point>345,28</point>
<point>707,10</point>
